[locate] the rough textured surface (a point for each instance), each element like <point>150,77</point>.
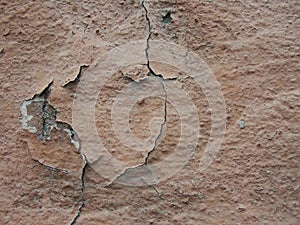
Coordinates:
<point>252,47</point>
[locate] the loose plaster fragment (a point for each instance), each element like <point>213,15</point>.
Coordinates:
<point>73,83</point>
<point>136,74</point>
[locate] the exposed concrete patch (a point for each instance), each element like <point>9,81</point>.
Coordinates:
<point>43,118</point>
<point>26,118</point>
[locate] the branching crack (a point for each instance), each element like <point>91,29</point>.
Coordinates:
<point>163,124</point>
<point>152,73</point>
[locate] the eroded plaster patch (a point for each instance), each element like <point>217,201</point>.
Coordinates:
<point>45,116</point>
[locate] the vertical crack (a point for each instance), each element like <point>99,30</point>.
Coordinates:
<point>45,116</point>
<point>163,124</point>
<point>82,200</point>
<point>148,37</point>
<point>161,80</point>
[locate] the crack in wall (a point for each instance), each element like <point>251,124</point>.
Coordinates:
<point>82,200</point>
<point>148,38</point>
<point>161,80</point>
<point>163,124</point>
<point>46,166</point>
<point>41,105</point>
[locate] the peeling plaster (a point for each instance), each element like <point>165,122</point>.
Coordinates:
<point>42,98</point>
<point>77,78</point>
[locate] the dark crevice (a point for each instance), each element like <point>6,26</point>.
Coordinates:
<point>119,177</point>
<point>48,112</point>
<point>82,200</point>
<point>161,132</point>
<point>148,38</point>
<point>151,71</point>
<point>130,79</point>
<point>83,182</point>
<point>167,18</point>
<point>46,166</point>
<point>143,181</point>
<point>2,51</point>
<point>48,116</point>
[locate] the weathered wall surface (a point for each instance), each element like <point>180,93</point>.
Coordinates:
<point>48,47</point>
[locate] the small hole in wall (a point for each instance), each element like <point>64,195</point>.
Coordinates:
<point>167,18</point>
